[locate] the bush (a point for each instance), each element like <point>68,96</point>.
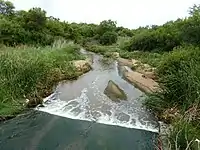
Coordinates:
<point>179,78</point>
<point>104,50</point>
<point>183,135</point>
<point>190,28</point>
<point>11,32</point>
<point>106,26</point>
<point>30,72</point>
<point>108,38</point>
<point>153,40</point>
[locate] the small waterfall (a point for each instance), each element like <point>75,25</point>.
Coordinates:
<point>84,100</point>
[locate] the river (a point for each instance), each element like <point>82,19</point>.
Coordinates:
<point>79,116</point>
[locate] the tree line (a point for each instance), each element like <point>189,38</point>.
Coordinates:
<point>34,27</point>
<point>166,37</point>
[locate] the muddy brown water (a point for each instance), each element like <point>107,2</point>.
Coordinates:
<point>79,116</point>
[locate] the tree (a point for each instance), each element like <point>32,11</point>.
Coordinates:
<point>35,19</point>
<point>125,32</point>
<point>87,30</point>
<point>154,27</point>
<point>195,10</point>
<point>108,38</point>
<point>105,26</point>
<point>11,32</point>
<point>190,28</point>
<point>6,7</point>
<point>55,27</point>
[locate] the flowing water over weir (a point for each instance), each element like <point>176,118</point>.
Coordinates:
<point>79,116</point>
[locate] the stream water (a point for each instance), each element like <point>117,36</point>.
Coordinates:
<point>79,116</point>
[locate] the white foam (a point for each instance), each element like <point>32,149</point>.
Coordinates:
<point>116,68</point>
<point>86,112</point>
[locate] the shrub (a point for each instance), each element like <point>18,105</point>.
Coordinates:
<point>29,72</point>
<point>182,136</point>
<point>190,28</point>
<point>179,78</point>
<point>108,38</point>
<point>153,40</point>
<point>106,26</point>
<point>11,32</point>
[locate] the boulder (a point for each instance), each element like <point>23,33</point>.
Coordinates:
<point>142,82</point>
<point>145,69</point>
<point>134,61</point>
<point>33,102</point>
<point>82,65</point>
<point>115,55</point>
<point>150,75</point>
<point>114,92</point>
<point>125,62</point>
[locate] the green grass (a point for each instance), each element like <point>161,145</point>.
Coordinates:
<point>151,58</point>
<point>179,79</point>
<point>103,50</point>
<point>183,135</point>
<point>28,72</point>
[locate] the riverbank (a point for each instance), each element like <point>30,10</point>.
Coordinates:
<point>177,101</point>
<point>29,74</point>
<point>141,75</point>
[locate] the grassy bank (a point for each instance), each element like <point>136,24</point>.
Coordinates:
<point>151,58</point>
<point>178,102</point>
<point>31,73</point>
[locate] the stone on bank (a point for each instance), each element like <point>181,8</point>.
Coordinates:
<point>82,65</point>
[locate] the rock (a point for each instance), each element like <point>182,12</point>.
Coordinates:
<point>41,105</point>
<point>143,76</point>
<point>146,66</point>
<point>114,92</point>
<point>34,102</point>
<point>145,69</point>
<point>140,66</point>
<point>134,61</point>
<point>115,55</point>
<point>150,75</point>
<point>142,82</point>
<point>82,65</point>
<point>125,62</point>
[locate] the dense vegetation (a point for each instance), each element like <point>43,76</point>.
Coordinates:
<point>30,73</point>
<point>33,27</point>
<point>173,48</point>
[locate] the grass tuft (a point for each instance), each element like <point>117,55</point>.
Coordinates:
<point>29,72</point>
